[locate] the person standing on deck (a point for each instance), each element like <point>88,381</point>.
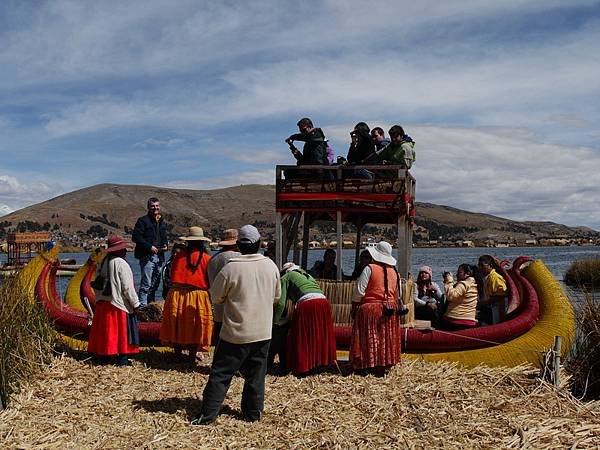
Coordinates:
<point>315,145</point>
<point>249,287</point>
<point>150,237</point>
<point>229,250</point>
<point>375,341</point>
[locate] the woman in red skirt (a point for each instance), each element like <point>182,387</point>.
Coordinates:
<point>375,341</point>
<point>114,330</point>
<point>303,310</point>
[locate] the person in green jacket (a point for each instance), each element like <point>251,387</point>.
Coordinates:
<point>400,151</point>
<point>302,324</point>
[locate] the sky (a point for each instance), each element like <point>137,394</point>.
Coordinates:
<point>501,97</point>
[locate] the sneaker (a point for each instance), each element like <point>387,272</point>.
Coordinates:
<point>202,420</point>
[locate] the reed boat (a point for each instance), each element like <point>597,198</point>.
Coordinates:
<point>539,309</point>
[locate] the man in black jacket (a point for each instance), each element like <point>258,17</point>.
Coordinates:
<point>314,151</point>
<point>150,237</point>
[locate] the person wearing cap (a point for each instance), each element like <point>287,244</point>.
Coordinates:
<point>114,331</point>
<point>150,237</point>
<point>187,315</point>
<point>427,296</point>
<point>229,250</point>
<point>248,286</point>
<point>375,340</point>
<point>305,312</point>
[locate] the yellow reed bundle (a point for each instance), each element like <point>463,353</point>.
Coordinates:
<point>556,319</point>
<point>73,296</point>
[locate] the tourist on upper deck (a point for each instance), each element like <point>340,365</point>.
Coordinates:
<point>325,269</point>
<point>362,145</point>
<point>150,237</point>
<point>114,329</point>
<point>493,306</point>
<point>376,304</point>
<point>400,151</point>
<point>187,315</point>
<point>305,312</point>
<point>229,250</point>
<point>379,139</point>
<point>315,146</point>
<point>427,296</point>
<point>249,287</point>
<point>461,298</point>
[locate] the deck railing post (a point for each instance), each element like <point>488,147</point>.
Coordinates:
<point>278,241</point>
<point>340,244</point>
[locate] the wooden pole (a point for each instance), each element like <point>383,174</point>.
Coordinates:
<point>305,238</point>
<point>340,240</point>
<point>359,227</point>
<point>278,241</point>
<point>557,351</point>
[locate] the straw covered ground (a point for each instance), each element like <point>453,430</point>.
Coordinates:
<point>422,405</point>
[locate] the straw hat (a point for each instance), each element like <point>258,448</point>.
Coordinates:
<point>116,243</point>
<point>229,237</point>
<point>195,234</point>
<point>382,252</point>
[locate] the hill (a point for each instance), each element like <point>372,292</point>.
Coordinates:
<point>114,208</point>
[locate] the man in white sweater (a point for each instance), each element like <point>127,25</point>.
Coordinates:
<point>248,286</point>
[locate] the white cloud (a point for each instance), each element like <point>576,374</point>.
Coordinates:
<point>20,194</point>
<point>4,210</point>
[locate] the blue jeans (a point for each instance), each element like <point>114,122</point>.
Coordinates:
<point>150,267</point>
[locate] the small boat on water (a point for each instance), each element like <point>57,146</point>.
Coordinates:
<point>538,310</point>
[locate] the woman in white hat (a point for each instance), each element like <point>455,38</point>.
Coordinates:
<point>114,331</point>
<point>375,341</point>
<point>187,316</point>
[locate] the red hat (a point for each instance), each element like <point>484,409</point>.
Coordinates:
<point>116,243</point>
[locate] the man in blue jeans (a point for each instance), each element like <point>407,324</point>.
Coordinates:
<point>150,237</point>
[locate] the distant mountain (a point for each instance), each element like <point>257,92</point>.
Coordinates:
<point>114,208</point>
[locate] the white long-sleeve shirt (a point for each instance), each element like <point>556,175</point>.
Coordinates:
<point>123,295</point>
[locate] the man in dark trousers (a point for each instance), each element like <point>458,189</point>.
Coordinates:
<point>248,286</point>
<point>150,237</point>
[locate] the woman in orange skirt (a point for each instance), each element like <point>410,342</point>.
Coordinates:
<point>187,316</point>
<point>114,329</point>
<point>375,341</point>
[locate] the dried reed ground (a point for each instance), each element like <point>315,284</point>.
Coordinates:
<point>420,405</point>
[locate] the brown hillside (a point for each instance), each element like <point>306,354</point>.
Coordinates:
<point>217,209</point>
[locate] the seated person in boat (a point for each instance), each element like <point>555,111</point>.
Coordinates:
<point>493,305</point>
<point>363,261</point>
<point>325,269</point>
<point>315,147</point>
<point>400,151</point>
<point>375,341</point>
<point>461,299</point>
<point>427,297</point>
<point>305,312</point>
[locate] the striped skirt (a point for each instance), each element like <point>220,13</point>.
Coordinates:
<point>375,340</point>
<point>108,335</point>
<point>311,340</point>
<point>187,318</point>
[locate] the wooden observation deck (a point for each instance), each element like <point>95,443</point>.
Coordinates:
<point>305,194</point>
<point>23,246</point>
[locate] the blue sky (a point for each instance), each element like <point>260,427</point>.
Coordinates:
<point>501,97</point>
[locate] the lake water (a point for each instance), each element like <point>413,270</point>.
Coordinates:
<point>558,259</point>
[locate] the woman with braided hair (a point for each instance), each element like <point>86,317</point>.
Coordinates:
<point>375,341</point>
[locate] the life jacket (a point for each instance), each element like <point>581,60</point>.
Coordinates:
<point>383,284</point>
<point>183,273</point>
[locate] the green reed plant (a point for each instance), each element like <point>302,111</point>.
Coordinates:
<point>585,272</point>
<point>584,362</point>
<point>27,338</point>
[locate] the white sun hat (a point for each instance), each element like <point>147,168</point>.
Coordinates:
<point>382,252</point>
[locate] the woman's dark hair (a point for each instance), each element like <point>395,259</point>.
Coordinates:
<point>247,248</point>
<point>490,261</point>
<point>473,271</point>
<point>194,245</point>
